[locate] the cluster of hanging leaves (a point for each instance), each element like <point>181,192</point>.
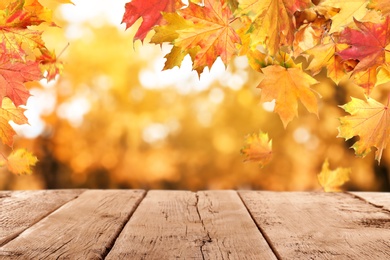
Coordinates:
<point>349,38</point>
<point>24,57</point>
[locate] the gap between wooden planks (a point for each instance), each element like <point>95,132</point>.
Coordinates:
<point>134,224</point>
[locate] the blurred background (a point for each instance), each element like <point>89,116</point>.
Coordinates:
<point>114,120</point>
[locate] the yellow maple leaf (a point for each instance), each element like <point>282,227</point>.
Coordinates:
<point>349,9</point>
<point>286,85</point>
<point>168,32</point>
<point>258,148</point>
<point>380,5</point>
<point>20,161</point>
<point>8,112</point>
<point>332,180</point>
<point>324,56</point>
<point>272,21</point>
<point>370,120</point>
<point>203,31</point>
<point>383,75</point>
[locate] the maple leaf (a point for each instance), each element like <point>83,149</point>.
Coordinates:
<point>258,148</point>
<point>286,85</point>
<point>211,33</point>
<point>312,25</point>
<point>205,32</point>
<point>380,5</point>
<point>20,161</point>
<point>383,75</point>
<point>12,79</point>
<point>9,112</point>
<point>150,11</point>
<point>49,64</point>
<point>20,43</point>
<point>22,13</point>
<point>168,33</point>
<point>324,56</point>
<point>349,10</point>
<point>370,120</point>
<point>368,44</point>
<point>366,79</point>
<point>332,180</point>
<point>272,21</point>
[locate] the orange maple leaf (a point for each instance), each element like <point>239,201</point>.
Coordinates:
<point>324,56</point>
<point>150,11</point>
<point>20,161</point>
<point>12,79</point>
<point>18,41</point>
<point>332,180</point>
<point>9,112</point>
<point>210,32</point>
<point>286,85</point>
<point>272,21</point>
<point>49,64</point>
<point>370,120</point>
<point>258,148</point>
<point>23,13</point>
<point>380,5</point>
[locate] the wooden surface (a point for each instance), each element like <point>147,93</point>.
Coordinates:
<point>137,224</point>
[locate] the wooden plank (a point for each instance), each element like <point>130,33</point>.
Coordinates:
<point>231,230</point>
<point>186,225</point>
<point>21,209</point>
<point>166,225</point>
<point>84,228</point>
<point>320,225</point>
<point>379,199</point>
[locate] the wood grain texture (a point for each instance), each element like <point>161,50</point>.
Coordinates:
<point>166,225</point>
<point>21,209</point>
<point>320,225</point>
<point>84,228</point>
<point>231,230</point>
<point>379,199</point>
<point>186,225</point>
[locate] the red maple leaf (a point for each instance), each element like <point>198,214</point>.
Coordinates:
<point>367,44</point>
<point>12,79</point>
<point>150,11</point>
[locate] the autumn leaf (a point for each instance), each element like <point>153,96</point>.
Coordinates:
<point>258,148</point>
<point>380,5</point>
<point>286,85</point>
<point>272,21</point>
<point>383,74</point>
<point>21,13</point>
<point>9,112</point>
<point>324,56</point>
<point>49,64</point>
<point>150,11</point>
<point>19,43</point>
<point>210,31</point>
<point>366,79</point>
<point>20,161</point>
<point>312,26</point>
<point>368,44</point>
<point>12,79</point>
<point>370,120</point>
<point>332,180</point>
<point>168,32</point>
<point>203,31</point>
<point>349,10</point>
